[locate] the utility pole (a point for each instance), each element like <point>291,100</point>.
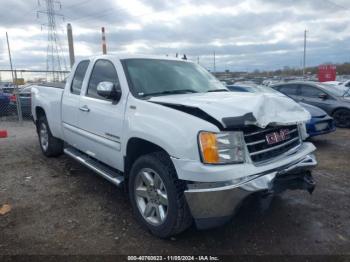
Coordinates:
<point>304,57</point>
<point>104,46</point>
<point>14,80</point>
<point>214,67</point>
<point>70,45</point>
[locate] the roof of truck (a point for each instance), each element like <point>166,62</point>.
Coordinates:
<point>140,56</point>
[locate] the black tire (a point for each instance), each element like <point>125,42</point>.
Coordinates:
<point>178,216</point>
<point>54,145</point>
<point>342,117</point>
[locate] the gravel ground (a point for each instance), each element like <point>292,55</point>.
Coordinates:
<point>60,207</point>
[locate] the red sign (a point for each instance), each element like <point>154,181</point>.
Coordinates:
<point>327,73</point>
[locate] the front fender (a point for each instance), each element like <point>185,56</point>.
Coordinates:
<point>174,131</point>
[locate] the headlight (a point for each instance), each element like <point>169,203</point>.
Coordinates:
<point>221,148</point>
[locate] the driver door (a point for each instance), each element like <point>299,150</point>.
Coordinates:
<point>311,95</point>
<point>100,120</point>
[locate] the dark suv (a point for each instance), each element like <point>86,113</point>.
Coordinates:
<point>332,99</point>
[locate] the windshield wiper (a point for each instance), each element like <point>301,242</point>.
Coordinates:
<point>170,92</point>
<point>218,90</point>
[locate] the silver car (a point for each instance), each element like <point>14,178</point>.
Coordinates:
<point>332,99</point>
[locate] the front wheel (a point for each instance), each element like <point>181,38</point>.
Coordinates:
<point>342,117</point>
<point>157,196</point>
<point>50,145</point>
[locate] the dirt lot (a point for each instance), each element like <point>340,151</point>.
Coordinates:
<point>60,207</point>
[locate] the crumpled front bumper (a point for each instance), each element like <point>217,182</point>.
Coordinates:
<point>212,204</point>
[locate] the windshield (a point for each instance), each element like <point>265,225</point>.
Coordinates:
<point>151,77</point>
<point>337,90</point>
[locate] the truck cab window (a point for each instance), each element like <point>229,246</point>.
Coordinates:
<point>103,70</point>
<point>79,77</point>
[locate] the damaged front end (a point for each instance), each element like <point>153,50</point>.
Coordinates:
<point>271,138</point>
<point>213,204</point>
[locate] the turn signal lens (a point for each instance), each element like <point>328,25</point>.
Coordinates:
<point>222,148</point>
<point>209,148</point>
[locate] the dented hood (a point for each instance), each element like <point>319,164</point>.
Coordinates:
<point>236,109</point>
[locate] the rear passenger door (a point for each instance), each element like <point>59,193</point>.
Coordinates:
<point>70,103</point>
<point>100,119</point>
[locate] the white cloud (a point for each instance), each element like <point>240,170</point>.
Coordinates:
<point>244,34</point>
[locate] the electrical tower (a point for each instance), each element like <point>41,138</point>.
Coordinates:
<point>55,61</point>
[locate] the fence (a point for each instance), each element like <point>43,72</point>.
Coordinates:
<point>15,98</point>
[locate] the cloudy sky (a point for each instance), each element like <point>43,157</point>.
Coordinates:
<point>245,35</point>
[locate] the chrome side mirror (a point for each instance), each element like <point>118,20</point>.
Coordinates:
<point>109,90</point>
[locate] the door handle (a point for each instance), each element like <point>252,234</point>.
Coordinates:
<point>84,108</point>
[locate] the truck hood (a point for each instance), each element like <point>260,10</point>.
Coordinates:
<point>238,109</point>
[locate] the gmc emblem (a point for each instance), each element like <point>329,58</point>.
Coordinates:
<point>277,137</point>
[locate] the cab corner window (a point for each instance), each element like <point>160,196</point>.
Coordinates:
<point>78,78</point>
<point>103,71</point>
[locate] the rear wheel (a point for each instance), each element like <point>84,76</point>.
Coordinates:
<point>342,117</point>
<point>50,145</point>
<point>157,196</point>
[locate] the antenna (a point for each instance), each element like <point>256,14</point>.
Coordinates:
<point>54,59</point>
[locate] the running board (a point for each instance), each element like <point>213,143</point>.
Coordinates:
<point>96,166</point>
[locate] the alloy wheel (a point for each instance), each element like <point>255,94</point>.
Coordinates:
<point>151,196</point>
<point>44,136</point>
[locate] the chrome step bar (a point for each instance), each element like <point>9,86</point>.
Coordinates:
<point>99,168</point>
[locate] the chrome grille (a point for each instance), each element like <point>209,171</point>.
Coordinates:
<point>260,150</point>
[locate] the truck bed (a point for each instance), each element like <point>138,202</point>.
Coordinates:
<point>53,84</point>
<point>49,98</point>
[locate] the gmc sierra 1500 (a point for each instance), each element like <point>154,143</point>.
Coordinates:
<point>185,147</point>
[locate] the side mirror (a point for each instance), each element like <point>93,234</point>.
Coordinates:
<point>323,96</point>
<point>109,90</point>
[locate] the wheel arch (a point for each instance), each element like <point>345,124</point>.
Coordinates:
<point>39,112</point>
<point>137,147</point>
<point>339,108</point>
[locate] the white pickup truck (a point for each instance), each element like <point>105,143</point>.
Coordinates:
<point>185,148</point>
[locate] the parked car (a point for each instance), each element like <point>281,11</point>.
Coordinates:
<point>320,122</point>
<point>4,103</point>
<point>185,147</point>
<point>332,99</point>
<point>346,83</point>
<point>333,83</point>
<point>6,87</point>
<point>25,101</point>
